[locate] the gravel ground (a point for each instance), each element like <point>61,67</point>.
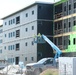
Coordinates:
<point>50,72</point>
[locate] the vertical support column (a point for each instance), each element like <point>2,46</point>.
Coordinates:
<point>53,20</point>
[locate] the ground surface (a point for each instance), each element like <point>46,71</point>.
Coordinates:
<point>50,72</point>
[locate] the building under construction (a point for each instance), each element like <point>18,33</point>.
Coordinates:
<point>56,20</point>
<point>65,26</point>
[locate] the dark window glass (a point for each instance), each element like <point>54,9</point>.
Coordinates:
<point>74,22</point>
<point>69,42</point>
<point>9,35</point>
<point>55,41</point>
<point>17,46</point>
<point>9,22</point>
<point>5,35</point>
<point>13,20</point>
<point>26,44</point>
<point>32,27</point>
<point>25,58</point>
<point>64,25</point>
<point>26,29</point>
<point>64,42</point>
<point>32,43</point>
<point>69,24</point>
<point>40,7</point>
<point>5,23</point>
<point>13,47</point>
<point>13,33</point>
<point>74,41</point>
<point>33,12</point>
<point>74,5</point>
<point>65,8</point>
<point>17,33</point>
<point>48,61</point>
<point>18,20</point>
<point>56,24</point>
<point>26,14</point>
<point>1,30</point>
<point>32,58</point>
<point>69,7</point>
<point>8,48</point>
<point>5,47</point>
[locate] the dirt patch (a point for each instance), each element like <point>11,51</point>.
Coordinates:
<point>50,72</point>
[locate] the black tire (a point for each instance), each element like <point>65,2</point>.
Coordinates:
<point>40,70</point>
<point>37,71</point>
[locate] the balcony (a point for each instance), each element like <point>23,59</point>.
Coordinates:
<point>58,15</point>
<point>59,31</point>
<point>60,47</point>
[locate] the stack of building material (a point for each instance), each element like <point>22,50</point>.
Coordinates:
<point>11,70</point>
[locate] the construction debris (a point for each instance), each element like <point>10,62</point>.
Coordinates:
<point>13,70</point>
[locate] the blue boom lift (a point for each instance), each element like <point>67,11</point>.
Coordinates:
<point>42,39</point>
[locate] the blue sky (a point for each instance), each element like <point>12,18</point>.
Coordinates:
<point>9,6</point>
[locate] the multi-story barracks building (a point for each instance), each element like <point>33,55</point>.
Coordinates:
<point>19,29</point>
<point>57,20</point>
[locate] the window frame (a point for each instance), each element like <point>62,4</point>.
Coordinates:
<point>17,33</point>
<point>18,20</point>
<point>32,12</point>
<point>17,46</point>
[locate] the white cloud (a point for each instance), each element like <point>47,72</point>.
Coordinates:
<point>9,6</point>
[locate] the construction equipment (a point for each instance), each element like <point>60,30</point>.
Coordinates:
<point>42,39</point>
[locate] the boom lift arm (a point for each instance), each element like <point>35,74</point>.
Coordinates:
<point>58,51</point>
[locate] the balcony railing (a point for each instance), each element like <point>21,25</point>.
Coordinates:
<point>58,15</point>
<point>59,31</point>
<point>61,47</point>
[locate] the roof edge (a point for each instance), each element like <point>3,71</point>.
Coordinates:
<point>59,2</point>
<point>37,2</point>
